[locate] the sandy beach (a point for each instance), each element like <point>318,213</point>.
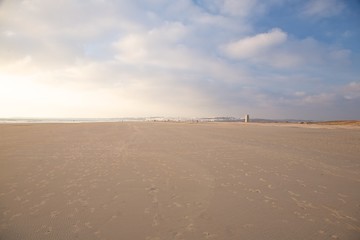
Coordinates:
<point>161,181</point>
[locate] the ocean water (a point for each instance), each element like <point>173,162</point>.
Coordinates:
<point>129,119</point>
<point>67,120</point>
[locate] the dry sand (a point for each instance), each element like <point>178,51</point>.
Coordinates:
<point>179,181</point>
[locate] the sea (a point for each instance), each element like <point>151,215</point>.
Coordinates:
<point>127,119</point>
<point>68,120</point>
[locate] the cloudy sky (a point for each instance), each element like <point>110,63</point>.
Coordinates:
<point>180,58</point>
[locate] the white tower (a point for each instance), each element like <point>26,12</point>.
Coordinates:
<point>247,118</point>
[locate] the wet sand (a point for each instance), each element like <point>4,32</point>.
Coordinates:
<point>179,181</point>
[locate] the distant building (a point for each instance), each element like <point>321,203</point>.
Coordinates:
<point>247,118</point>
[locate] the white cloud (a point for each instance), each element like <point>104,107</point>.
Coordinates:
<point>131,48</point>
<point>241,8</point>
<point>158,47</point>
<point>340,54</point>
<point>20,63</point>
<point>164,49</point>
<point>171,32</point>
<point>299,94</point>
<point>323,101</point>
<point>323,8</point>
<point>319,99</point>
<point>8,33</point>
<point>254,46</point>
<point>351,91</point>
<point>276,49</point>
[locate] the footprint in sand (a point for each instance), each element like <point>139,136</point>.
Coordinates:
<point>48,230</point>
<point>343,195</point>
<point>248,225</point>
<point>153,238</point>
<point>18,198</point>
<point>176,235</point>
<point>155,221</point>
<point>177,204</point>
<point>15,216</point>
<point>190,227</point>
<point>88,225</point>
<point>254,190</point>
<point>6,212</point>
<point>76,227</point>
<point>153,189</point>
<point>208,235</point>
<point>293,194</point>
<point>53,214</point>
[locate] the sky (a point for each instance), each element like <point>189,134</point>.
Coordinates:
<point>278,59</point>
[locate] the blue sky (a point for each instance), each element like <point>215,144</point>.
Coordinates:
<point>184,58</point>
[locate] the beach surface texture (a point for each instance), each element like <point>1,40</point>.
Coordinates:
<point>161,181</point>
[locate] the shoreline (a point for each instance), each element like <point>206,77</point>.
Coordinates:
<point>351,124</point>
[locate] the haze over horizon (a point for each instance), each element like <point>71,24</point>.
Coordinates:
<point>277,59</point>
